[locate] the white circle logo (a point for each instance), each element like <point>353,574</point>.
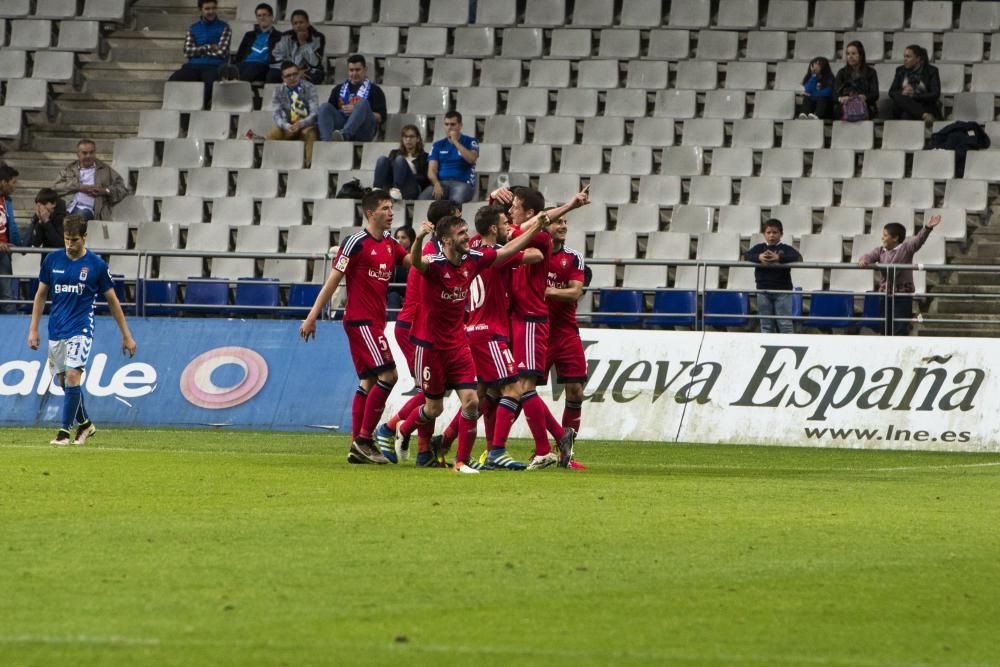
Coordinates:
<point>197,385</point>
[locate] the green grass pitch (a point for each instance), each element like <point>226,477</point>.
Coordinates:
<point>156,547</point>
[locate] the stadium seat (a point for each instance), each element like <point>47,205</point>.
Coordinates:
<point>558,188</point>
<point>782,162</point>
<point>556,130</point>
<point>904,135</point>
<point>797,220</point>
<point>283,155</point>
<point>685,160</point>
<point>282,212</point>
<point>933,15</point>
<point>158,182</point>
<point>704,132</point>
<point>602,74</point>
<point>661,189</point>
<point>742,220</point>
<point>938,165</point>
<point>209,294</point>
<point>160,124</point>
<point>836,163</point>
<point>641,13</point>
<point>233,211</point>
<point>605,131</point>
<point>54,66</point>
<point>611,189</point>
<point>257,183</point>
<point>851,280</point>
<point>915,193</point>
<point>774,104</point>
<point>674,308</point>
<point>399,71</point>
<point>863,192</point>
<point>13,63</point>
<point>690,14</point>
<point>711,191</point>
<point>528,102</point>
<point>675,104</point>
<point>521,43</point>
<point>717,45</point>
<point>429,100</point>
<point>631,160</point>
<point>531,158</point>
<point>979,17</point>
<point>725,104</point>
<point>256,296</point>
<point>953,223</point>
<point>184,153</point>
<point>233,154</point>
<point>150,292</point>
<point>855,136</point>
<point>207,182</point>
<point>763,45</point>
<point>813,192</point>
<point>973,106</point>
<point>883,164</point>
<point>183,210</point>
<point>647,74</point>
<point>183,95</point>
<point>132,209</point>
<point>500,73</point>
<point>843,221</point>
<point>619,301</point>
<point>726,309</point>
<point>584,160</point>
<point>78,36</point>
<point>756,133</point>
<point>232,96</point>
<point>961,47</point>
<point>340,212</point>
<point>965,193</point>
<point>28,94</point>
<point>210,125</point>
<point>644,276</point>
<point>760,191</point>
<point>547,13</point>
<point>639,218</point>
<point>11,122</point>
<point>576,102</point>
<point>615,245</point>
<point>883,15</point>
<point>591,13</point>
<point>650,132</point>
<point>31,34</point>
<point>697,75</point>
<point>886,214</point>
<point>835,306</point>
<point>104,10</point>
<point>474,42</point>
<point>448,12</point>
<point>787,14</point>
<point>788,75</point>
<point>377,40</point>
<point>732,162</point>
<point>133,154</point>
<point>399,12</point>
<point>691,220</point>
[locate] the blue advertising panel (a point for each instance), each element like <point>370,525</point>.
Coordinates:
<point>190,372</point>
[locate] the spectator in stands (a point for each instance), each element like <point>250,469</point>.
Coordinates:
<point>356,109</point>
<point>857,78</point>
<point>95,186</point>
<point>206,46</point>
<point>817,91</point>
<point>404,171</point>
<point>9,235</point>
<point>303,45</point>
<point>773,253</point>
<point>452,165</point>
<point>915,93</point>
<point>896,282</point>
<point>405,235</point>
<point>46,229</point>
<point>293,108</point>
<point>255,56</point>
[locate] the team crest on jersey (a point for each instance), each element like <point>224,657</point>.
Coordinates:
<point>341,264</point>
<point>564,263</point>
<point>83,274</point>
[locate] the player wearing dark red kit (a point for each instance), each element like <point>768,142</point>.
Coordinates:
<point>366,261</point>
<point>443,359</point>
<point>565,349</point>
<point>392,447</point>
<point>529,325</point>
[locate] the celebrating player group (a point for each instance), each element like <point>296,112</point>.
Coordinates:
<point>487,316</point>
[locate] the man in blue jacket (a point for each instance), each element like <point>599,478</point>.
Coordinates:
<point>206,46</point>
<point>9,235</point>
<point>770,303</point>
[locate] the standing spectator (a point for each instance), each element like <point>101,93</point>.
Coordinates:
<point>356,109</point>
<point>293,108</point>
<point>773,252</point>
<point>896,250</point>
<point>915,92</point>
<point>857,78</point>
<point>452,165</point>
<point>9,235</point>
<point>304,46</point>
<point>206,46</point>
<point>254,57</point>
<point>46,229</point>
<point>404,171</point>
<point>817,91</point>
<point>95,186</point>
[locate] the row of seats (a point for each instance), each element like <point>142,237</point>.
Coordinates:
<point>55,66</point>
<point>96,10</point>
<point>733,14</point>
<point>39,35</point>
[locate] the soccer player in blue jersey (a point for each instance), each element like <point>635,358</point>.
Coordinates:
<point>75,277</point>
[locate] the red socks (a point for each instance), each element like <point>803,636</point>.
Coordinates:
<point>374,406</point>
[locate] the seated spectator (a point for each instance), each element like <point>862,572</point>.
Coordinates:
<point>9,236</point>
<point>293,108</point>
<point>452,165</point>
<point>817,91</point>
<point>254,57</point>
<point>356,109</point>
<point>857,78</point>
<point>46,230</point>
<point>95,186</point>
<point>915,93</point>
<point>206,46</point>
<point>304,46</point>
<point>773,252</point>
<point>404,171</point>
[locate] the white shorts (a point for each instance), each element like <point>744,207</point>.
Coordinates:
<point>69,353</point>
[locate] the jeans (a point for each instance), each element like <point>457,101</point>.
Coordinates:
<point>457,191</point>
<point>305,134</point>
<point>254,71</point>
<point>396,173</point>
<point>359,126</point>
<point>897,319</point>
<point>85,213</point>
<point>7,285</point>
<point>773,303</point>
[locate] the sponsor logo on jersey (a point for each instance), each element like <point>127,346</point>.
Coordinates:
<point>69,289</point>
<point>455,294</point>
<point>383,273</point>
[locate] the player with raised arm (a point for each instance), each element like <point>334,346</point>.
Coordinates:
<point>366,260</point>
<point>565,349</point>
<point>75,277</point>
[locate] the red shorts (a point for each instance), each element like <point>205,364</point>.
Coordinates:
<point>369,349</point>
<point>494,362</point>
<point>530,339</point>
<point>439,370</point>
<point>402,335</point>
<point>565,353</point>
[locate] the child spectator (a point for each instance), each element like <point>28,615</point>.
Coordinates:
<point>769,303</point>
<point>896,282</point>
<point>817,91</point>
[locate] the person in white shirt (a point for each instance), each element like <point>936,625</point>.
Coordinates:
<point>93,185</point>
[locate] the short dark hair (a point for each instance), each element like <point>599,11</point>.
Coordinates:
<point>357,58</point>
<point>201,3</point>
<point>86,141</point>
<point>447,225</point>
<point>454,114</point>
<point>441,208</point>
<point>288,64</point>
<point>264,5</point>
<point>531,199</point>
<point>896,230</point>
<point>486,217</point>
<point>74,225</point>
<point>300,12</point>
<point>408,231</point>
<point>373,199</point>
<point>46,196</point>
<point>773,222</point>
<point>8,172</point>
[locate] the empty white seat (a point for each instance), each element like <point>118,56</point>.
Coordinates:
<point>836,163</point>
<point>257,122</point>
<point>915,193</point>
<point>787,14</point>
<point>690,14</point>
<point>843,221</point>
<point>757,133</point>
<point>593,218</point>
<point>448,12</point>
<point>601,74</point>
<point>184,153</point>
<point>233,154</point>
<point>618,44</point>
<point>883,164</point>
<point>133,153</point>
<point>456,72</point>
<point>104,235</point>
<point>652,132</point>
<point>631,160</point>
<point>933,15</point>
<point>30,34</point>
<point>711,191</point>
<point>234,268</point>
<point>883,15</point>
<point>478,101</point>
<point>183,95</point>
<point>576,103</point>
<point>309,184</point>
<point>11,122</point>
<point>668,245</point>
<point>669,45</point>
<point>158,182</point>
<point>556,130</point>
<point>965,193</point>
<point>232,211</point>
<point>813,192</point>
<point>677,104</point>
<point>795,220</point>
<point>15,8</point>
<point>371,152</point>
<point>738,14</point>
<point>717,45</point>
<point>545,13</point>
<point>706,132</point>
<point>761,191</point>
<point>605,131</point>
<point>549,74</point>
<point>732,162</point>
<point>833,14</point>
<point>904,135</point>
<point>13,63</point>
<point>490,158</point>
<point>641,13</point>
<point>863,243</point>
<point>644,276</point>
<point>612,189</point>
<point>283,211</point>
<point>615,245</point>
<point>962,47</point>
<point>430,100</point>
<point>132,209</point>
<point>343,212</point>
<point>746,76</point>
<point>691,220</point>
<point>497,12</point>
<point>286,270</point>
<point>378,40</point>
<point>985,78</point>
<point>399,71</point>
<point>531,158</point>
<point>558,188</point>
<point>157,236</point>
<point>973,106</point>
<point>104,10</point>
<point>27,93</point>
<point>522,43</point>
<point>528,102</point>
<point>979,17</point>
<point>257,239</point>
<point>767,45</point>
<point>640,218</point>
<point>660,189</point>
<point>207,237</point>
<point>953,225</point>
<point>814,43</point>
<point>788,75</point>
<point>902,215</point>
<point>157,124</point>
<point>982,165</point>
<point>856,136</point>
<point>647,74</point>
<point>308,238</point>
<point>863,192</point>
<point>184,211</point>
<point>79,36</point>
<point>782,162</point>
<point>507,129</point>
<point>257,183</point>
<point>583,159</point>
<point>742,220</point>
<point>208,182</point>
<point>283,155</point>
<point>683,160</point>
<point>725,104</point>
<point>851,280</point>
<point>233,96</point>
<point>697,75</point>
<point>54,66</point>
<point>399,12</point>
<point>210,125</point>
<point>474,42</point>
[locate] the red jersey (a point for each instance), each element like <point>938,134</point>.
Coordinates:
<point>445,292</point>
<point>414,281</point>
<point>489,296</point>
<point>564,265</point>
<point>528,284</point>
<point>367,264</point>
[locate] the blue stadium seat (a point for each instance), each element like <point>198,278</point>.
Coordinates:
<point>121,291</point>
<point>156,292</point>
<point>872,311</point>
<point>680,306</point>
<point>619,301</point>
<point>207,293</point>
<point>726,309</point>
<point>25,289</point>
<point>301,298</point>
<point>255,295</point>
<point>829,304</point>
